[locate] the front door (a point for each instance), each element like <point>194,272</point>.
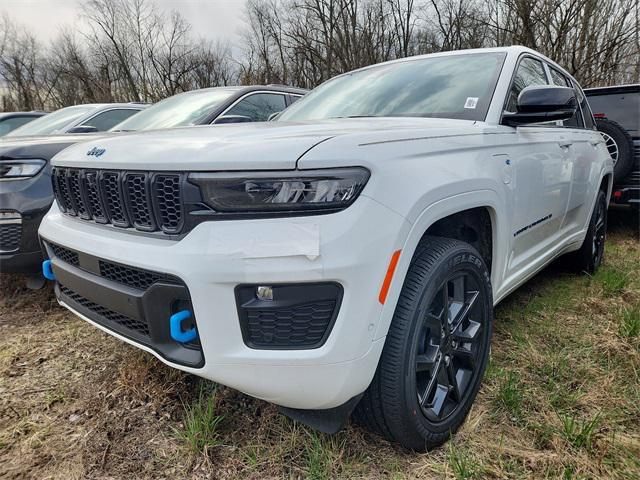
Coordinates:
<point>540,158</point>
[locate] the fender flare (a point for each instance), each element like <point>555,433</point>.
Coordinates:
<point>432,213</point>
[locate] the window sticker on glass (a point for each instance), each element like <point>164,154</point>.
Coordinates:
<point>471,102</point>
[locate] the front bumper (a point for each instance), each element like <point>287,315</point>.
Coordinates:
<point>20,250</point>
<point>352,248</point>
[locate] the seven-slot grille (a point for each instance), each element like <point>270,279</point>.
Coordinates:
<point>146,201</point>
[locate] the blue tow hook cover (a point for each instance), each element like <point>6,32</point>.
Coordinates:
<point>47,271</point>
<point>175,324</point>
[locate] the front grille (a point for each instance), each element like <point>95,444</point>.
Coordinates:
<point>107,316</point>
<point>64,254</point>
<point>147,312</point>
<point>130,276</point>
<point>10,237</point>
<point>167,191</point>
<point>139,200</point>
<point>300,326</point>
<point>146,201</point>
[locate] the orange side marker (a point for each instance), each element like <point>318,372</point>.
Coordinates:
<point>389,276</point>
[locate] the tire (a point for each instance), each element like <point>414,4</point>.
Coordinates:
<point>413,399</point>
<point>620,146</point>
<point>591,254</point>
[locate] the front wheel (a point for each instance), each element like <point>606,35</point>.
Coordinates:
<point>436,349</point>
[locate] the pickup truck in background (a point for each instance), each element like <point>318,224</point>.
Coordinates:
<point>617,113</point>
<point>346,257</point>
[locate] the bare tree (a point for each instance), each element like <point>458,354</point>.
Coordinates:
<point>130,50</point>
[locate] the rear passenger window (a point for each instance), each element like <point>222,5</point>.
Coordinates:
<point>561,79</point>
<point>294,98</point>
<point>530,72</point>
<point>586,110</point>
<point>259,106</point>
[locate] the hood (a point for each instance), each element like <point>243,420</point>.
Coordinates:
<point>269,145</point>
<point>43,147</point>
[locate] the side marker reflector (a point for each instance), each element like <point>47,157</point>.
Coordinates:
<point>47,271</point>
<point>389,276</point>
<point>175,326</point>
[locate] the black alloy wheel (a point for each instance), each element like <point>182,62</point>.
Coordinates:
<point>599,234</point>
<point>591,254</point>
<point>436,349</point>
<point>449,346</point>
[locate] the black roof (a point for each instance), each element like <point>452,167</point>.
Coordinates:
<point>615,89</point>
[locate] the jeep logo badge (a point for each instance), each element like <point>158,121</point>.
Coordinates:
<point>95,152</point>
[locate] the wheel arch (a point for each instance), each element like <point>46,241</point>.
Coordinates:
<point>437,219</point>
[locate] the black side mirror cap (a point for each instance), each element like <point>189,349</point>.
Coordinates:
<point>83,129</point>
<point>542,103</point>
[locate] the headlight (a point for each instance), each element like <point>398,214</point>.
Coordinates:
<point>15,169</point>
<point>239,192</point>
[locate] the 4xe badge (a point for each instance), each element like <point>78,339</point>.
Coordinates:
<point>95,152</point>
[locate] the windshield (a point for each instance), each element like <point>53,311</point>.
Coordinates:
<point>178,111</point>
<point>453,86</point>
<point>52,122</point>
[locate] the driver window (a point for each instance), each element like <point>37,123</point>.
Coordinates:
<point>530,72</point>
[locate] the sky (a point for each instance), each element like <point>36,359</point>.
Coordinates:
<point>211,19</point>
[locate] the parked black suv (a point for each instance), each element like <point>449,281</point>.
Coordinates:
<point>25,173</point>
<point>617,113</point>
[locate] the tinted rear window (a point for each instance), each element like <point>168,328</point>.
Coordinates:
<point>623,108</point>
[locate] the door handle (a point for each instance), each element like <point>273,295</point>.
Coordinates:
<point>595,143</point>
<point>565,144</point>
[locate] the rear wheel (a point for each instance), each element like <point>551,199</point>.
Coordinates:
<point>436,349</point>
<point>589,258</point>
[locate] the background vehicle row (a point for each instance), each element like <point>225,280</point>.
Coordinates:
<point>25,172</point>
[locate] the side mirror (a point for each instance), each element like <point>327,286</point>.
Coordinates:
<point>543,103</point>
<point>273,116</point>
<point>232,119</point>
<point>83,129</point>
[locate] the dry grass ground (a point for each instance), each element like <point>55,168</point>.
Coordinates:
<point>561,398</point>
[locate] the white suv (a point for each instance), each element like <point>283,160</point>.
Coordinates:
<point>349,254</point>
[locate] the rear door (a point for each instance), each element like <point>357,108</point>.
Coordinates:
<point>585,145</point>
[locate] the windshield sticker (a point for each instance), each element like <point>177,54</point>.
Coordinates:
<point>471,102</point>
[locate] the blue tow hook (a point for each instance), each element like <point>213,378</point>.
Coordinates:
<point>175,323</point>
<point>47,271</point>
